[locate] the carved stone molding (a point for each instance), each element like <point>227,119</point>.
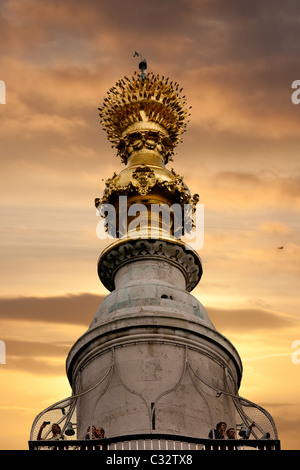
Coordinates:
<point>127,251</point>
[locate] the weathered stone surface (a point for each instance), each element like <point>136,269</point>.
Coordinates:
<point>152,359</point>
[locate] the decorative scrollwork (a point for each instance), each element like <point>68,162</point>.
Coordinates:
<point>143,179</point>
<point>152,101</point>
<point>149,139</point>
<point>187,261</point>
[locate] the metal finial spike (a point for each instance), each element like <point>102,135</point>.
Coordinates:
<point>142,65</point>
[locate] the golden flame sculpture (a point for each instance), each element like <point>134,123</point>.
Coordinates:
<point>145,104</point>
<point>144,118</point>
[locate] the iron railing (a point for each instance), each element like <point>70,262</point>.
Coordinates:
<point>161,442</point>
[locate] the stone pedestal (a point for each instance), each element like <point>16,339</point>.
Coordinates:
<point>151,360</point>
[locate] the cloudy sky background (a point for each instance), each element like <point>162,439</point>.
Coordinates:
<point>236,61</point>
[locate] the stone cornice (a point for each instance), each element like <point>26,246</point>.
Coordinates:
<point>129,250</point>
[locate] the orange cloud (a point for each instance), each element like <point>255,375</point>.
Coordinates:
<point>236,62</point>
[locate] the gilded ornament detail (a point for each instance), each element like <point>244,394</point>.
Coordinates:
<point>143,179</point>
<point>154,101</point>
<point>144,118</point>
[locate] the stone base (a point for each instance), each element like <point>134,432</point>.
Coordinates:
<point>151,360</point>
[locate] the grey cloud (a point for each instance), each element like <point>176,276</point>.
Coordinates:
<point>239,29</point>
<point>79,310</point>
<point>30,349</point>
<point>31,357</point>
<point>74,309</point>
<point>249,320</point>
<point>264,180</point>
<point>35,366</point>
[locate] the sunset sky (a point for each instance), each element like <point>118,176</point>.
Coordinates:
<point>236,61</point>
